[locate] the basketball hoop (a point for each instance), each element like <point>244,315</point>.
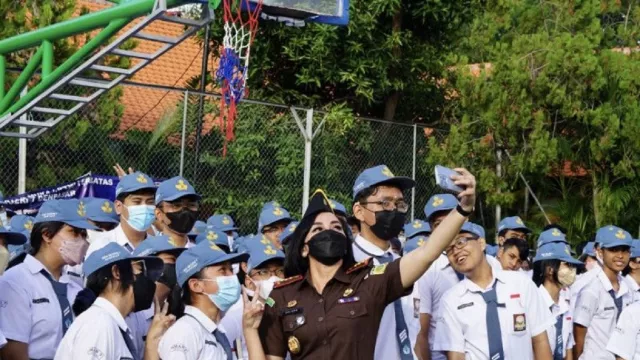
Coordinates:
<point>240,27</point>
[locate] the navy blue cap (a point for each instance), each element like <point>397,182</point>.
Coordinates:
<point>440,202</point>
<point>338,208</point>
<point>69,211</point>
<point>260,253</point>
<point>635,248</point>
<point>12,237</point>
<point>380,175</point>
<point>491,250</point>
<point>551,235</point>
<point>101,210</point>
<point>112,253</point>
<point>173,189</point>
<point>213,235</point>
<point>415,228</point>
<point>288,231</point>
<point>272,214</point>
<point>555,251</point>
<point>21,223</point>
<point>472,228</point>
<point>222,222</point>
<point>134,182</point>
<point>414,243</point>
<point>200,256</point>
<point>153,245</point>
<point>513,223</point>
<point>611,236</point>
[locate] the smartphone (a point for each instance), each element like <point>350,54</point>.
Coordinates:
<point>443,179</point>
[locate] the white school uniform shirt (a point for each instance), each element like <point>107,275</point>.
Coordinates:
<point>596,311</point>
<point>116,235</point>
<point>96,334</point>
<point>625,340</point>
<point>191,338</point>
<point>582,280</point>
<point>29,309</point>
<point>3,340</point>
<point>463,327</point>
<point>562,308</point>
<point>432,286</point>
<point>633,285</point>
<point>386,342</point>
<point>139,323</point>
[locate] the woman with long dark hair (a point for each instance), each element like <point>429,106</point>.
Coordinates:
<point>554,270</point>
<point>329,306</point>
<point>35,310</point>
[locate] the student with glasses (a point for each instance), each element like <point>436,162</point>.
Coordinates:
<point>177,209</point>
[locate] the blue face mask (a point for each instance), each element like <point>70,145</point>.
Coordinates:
<point>140,217</point>
<point>228,292</point>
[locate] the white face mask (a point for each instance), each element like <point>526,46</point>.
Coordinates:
<point>266,286</point>
<point>3,219</point>
<point>567,276</point>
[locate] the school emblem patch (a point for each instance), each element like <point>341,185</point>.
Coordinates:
<point>181,186</point>
<point>417,224</point>
<point>141,179</point>
<point>386,172</point>
<point>226,221</point>
<point>277,211</point>
<point>437,201</point>
<point>211,236</point>
<point>81,210</point>
<point>519,322</point>
<point>269,250</point>
<point>106,208</point>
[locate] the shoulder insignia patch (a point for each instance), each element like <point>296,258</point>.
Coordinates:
<point>287,281</point>
<point>361,265</point>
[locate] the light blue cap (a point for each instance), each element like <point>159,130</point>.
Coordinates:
<point>513,223</point>
<point>112,253</point>
<point>101,210</point>
<point>414,243</point>
<point>288,231</point>
<point>173,189</point>
<point>635,248</point>
<point>492,250</point>
<point>198,228</point>
<point>550,236</point>
<point>69,211</point>
<point>611,236</point>
<point>21,223</point>
<point>134,182</point>
<point>473,228</point>
<point>213,235</point>
<point>16,250</point>
<point>13,237</point>
<point>272,214</point>
<point>260,253</point>
<point>589,249</point>
<point>222,222</point>
<point>380,175</point>
<point>440,202</point>
<point>555,251</point>
<point>153,245</point>
<point>416,227</point>
<point>338,207</point>
<point>200,256</point>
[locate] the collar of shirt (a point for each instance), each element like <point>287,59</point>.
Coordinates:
<point>203,319</point>
<point>470,286</point>
<point>368,246</point>
<point>110,309</point>
<point>624,288</point>
<point>632,283</point>
<point>149,313</point>
<point>35,266</point>
<point>121,237</point>
<point>560,308</point>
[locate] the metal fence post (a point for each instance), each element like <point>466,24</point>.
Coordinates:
<point>413,171</point>
<point>22,152</point>
<point>184,131</point>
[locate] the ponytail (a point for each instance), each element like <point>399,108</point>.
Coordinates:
<point>84,300</point>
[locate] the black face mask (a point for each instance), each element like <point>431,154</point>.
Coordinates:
<point>182,221</point>
<point>388,224</point>
<point>143,292</point>
<point>328,247</point>
<point>169,277</point>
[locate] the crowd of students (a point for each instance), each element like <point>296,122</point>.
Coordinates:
<point>143,278</point>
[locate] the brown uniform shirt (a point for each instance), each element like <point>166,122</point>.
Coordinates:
<point>340,323</point>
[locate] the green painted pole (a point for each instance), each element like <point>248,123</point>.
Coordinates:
<point>22,80</point>
<point>82,24</point>
<point>47,58</point>
<point>3,67</point>
<point>67,66</point>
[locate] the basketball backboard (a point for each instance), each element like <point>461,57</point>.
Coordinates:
<point>332,12</point>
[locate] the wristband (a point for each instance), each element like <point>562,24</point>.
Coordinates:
<point>462,212</point>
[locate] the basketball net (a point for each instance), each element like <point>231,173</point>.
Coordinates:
<point>233,71</point>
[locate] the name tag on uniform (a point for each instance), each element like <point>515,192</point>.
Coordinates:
<point>465,305</point>
<point>609,308</point>
<point>40,301</point>
<point>349,300</point>
<point>209,342</point>
<point>290,311</point>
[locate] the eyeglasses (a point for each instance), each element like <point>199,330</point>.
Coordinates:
<point>268,273</point>
<point>389,205</point>
<point>459,244</point>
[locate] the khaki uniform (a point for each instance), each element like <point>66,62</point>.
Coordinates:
<point>340,323</point>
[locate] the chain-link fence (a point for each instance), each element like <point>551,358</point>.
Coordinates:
<point>155,130</point>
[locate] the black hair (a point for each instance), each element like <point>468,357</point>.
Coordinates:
<point>580,247</point>
<point>521,245</point>
<point>50,229</point>
<point>180,296</point>
<point>364,194</point>
<point>145,191</point>
<point>352,220</point>
<point>540,271</point>
<point>16,260</point>
<point>98,282</point>
<point>295,264</point>
<point>627,268</point>
<point>555,226</point>
<point>105,225</point>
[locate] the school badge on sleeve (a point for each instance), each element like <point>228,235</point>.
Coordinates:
<point>294,345</point>
<point>519,322</point>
